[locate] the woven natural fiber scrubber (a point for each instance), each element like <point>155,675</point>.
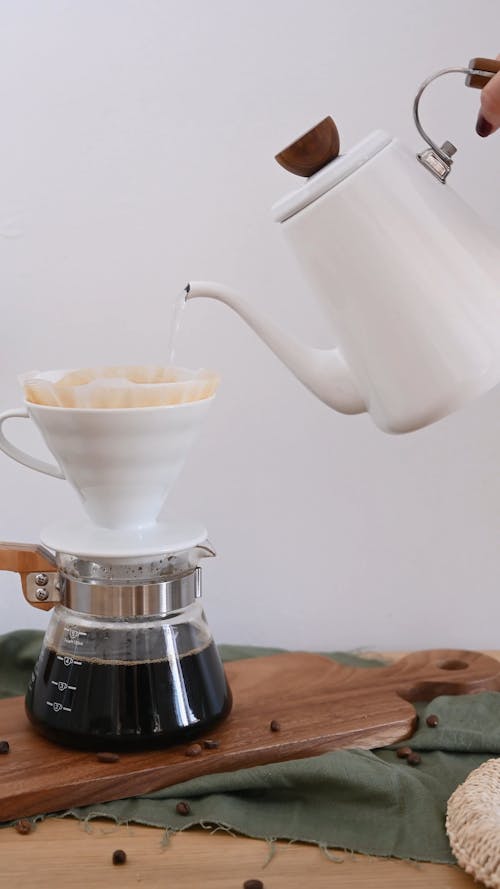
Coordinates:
<point>473,823</point>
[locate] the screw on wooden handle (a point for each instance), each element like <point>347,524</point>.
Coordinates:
<point>478,81</point>
<point>313,150</point>
<point>26,558</point>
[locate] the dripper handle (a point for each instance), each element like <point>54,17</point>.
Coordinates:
<point>21,456</point>
<point>25,559</point>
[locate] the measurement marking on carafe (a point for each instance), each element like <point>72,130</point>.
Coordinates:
<point>72,634</point>
<point>57,707</point>
<point>62,686</point>
<point>69,661</point>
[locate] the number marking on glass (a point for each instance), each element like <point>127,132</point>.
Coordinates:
<point>72,634</point>
<point>57,706</point>
<point>63,686</point>
<point>69,661</point>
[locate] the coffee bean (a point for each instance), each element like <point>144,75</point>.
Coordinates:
<point>413,759</point>
<point>194,750</point>
<point>183,808</point>
<point>108,757</point>
<point>23,826</point>
<point>119,856</point>
<point>4,746</point>
<point>274,725</point>
<point>432,720</point>
<point>211,745</point>
<point>403,752</point>
<point>253,884</point>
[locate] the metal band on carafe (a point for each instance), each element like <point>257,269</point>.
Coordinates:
<point>116,601</point>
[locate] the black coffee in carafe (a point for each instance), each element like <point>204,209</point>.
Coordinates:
<point>97,705</point>
<point>111,684</point>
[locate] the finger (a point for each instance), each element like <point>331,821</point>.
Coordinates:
<point>489,116</point>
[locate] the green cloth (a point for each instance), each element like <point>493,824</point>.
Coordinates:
<point>367,801</point>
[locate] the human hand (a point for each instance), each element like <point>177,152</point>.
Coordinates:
<point>489,116</point>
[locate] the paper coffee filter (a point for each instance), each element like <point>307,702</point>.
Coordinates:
<point>118,387</point>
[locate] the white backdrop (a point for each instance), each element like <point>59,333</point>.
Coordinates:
<point>137,152</point>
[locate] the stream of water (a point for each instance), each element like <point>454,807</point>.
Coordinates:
<point>178,306</point>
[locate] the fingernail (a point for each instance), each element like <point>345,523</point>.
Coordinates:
<point>483,126</point>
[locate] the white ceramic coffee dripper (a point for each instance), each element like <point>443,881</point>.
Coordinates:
<point>122,462</point>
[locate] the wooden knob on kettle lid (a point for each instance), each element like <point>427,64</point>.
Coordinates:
<point>313,150</point>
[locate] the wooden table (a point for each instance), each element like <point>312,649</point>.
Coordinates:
<point>68,854</point>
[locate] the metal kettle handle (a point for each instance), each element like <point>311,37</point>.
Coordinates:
<point>438,159</point>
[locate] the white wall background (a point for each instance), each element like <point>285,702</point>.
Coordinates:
<point>136,152</point>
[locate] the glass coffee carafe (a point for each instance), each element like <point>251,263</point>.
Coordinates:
<point>128,659</point>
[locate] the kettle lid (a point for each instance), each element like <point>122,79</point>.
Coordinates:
<point>330,175</point>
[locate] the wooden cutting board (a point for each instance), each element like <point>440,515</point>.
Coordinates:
<point>321,705</point>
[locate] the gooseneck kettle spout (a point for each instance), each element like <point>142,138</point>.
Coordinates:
<point>323,371</point>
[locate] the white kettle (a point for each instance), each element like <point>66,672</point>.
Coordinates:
<point>409,275</point>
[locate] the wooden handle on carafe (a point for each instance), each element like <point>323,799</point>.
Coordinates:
<point>25,558</point>
<point>479,81</point>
